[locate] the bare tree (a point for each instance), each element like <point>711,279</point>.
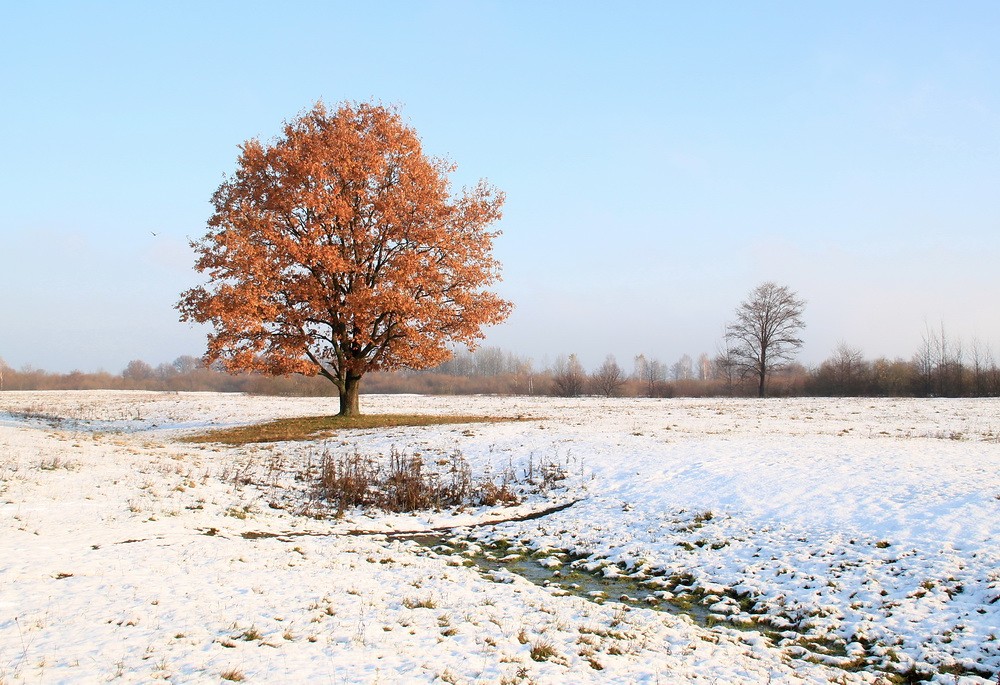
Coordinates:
<point>765,333</point>
<point>683,368</point>
<point>187,363</point>
<point>726,364</point>
<point>704,367</point>
<point>991,386</point>
<point>941,364</point>
<point>956,370</point>
<point>848,366</point>
<point>639,367</point>
<point>164,372</point>
<point>609,378</point>
<point>138,370</point>
<point>568,377</point>
<point>925,360</point>
<point>844,374</point>
<point>979,367</point>
<point>652,373</point>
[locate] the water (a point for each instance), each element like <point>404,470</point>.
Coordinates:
<point>563,575</point>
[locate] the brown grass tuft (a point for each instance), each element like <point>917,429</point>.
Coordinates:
<point>233,675</point>
<point>542,650</point>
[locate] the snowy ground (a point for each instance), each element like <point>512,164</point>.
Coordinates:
<point>859,537</point>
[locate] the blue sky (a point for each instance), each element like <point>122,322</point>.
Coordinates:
<point>659,159</point>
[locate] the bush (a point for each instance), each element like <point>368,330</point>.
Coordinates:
<point>407,483</point>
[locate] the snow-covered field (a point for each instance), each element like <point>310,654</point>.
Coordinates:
<point>856,538</point>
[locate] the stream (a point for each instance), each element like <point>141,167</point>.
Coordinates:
<point>564,575</point>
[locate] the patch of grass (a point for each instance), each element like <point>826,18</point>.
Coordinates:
<point>251,634</point>
<point>425,603</point>
<point>542,650</point>
<point>312,427</point>
<point>240,512</point>
<point>56,463</point>
<point>233,675</point>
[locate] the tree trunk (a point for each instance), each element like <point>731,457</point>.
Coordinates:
<point>761,383</point>
<point>349,396</point>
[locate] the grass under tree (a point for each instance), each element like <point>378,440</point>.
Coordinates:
<point>313,427</point>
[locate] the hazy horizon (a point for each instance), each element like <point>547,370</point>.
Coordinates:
<point>659,161</point>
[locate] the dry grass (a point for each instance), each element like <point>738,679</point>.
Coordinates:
<point>424,603</point>
<point>407,483</point>
<point>542,650</point>
<point>312,427</point>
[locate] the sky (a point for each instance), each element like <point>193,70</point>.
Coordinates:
<point>659,160</point>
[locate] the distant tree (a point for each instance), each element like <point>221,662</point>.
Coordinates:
<point>683,368</point>
<point>704,367</point>
<point>639,366</point>
<point>186,364</point>
<point>941,363</point>
<point>991,376</point>
<point>489,361</point>
<point>609,377</point>
<point>894,378</point>
<point>337,250</point>
<point>765,332</point>
<point>847,369</point>
<point>568,377</point>
<point>725,365</point>
<point>925,361</point>
<point>652,375</point>
<point>138,370</point>
<point>982,365</point>
<point>164,372</point>
<point>459,364</point>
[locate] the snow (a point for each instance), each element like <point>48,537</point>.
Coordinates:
<point>866,525</point>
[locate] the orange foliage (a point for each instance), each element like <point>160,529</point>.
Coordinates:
<point>338,249</point>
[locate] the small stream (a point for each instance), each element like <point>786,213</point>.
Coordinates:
<point>564,574</point>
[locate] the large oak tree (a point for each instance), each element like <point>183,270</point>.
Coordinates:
<point>338,249</point>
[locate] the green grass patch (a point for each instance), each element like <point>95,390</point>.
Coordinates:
<point>312,427</point>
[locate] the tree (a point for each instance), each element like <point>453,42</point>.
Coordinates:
<point>652,373</point>
<point>982,360</point>
<point>609,377</point>
<point>725,363</point>
<point>765,333</point>
<point>849,369</point>
<point>338,249</point>
<point>186,364</point>
<point>683,368</point>
<point>138,370</point>
<point>704,367</point>
<point>165,372</point>
<point>568,376</point>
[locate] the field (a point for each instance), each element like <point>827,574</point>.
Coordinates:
<point>676,541</point>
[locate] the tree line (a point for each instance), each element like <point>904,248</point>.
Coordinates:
<point>942,366</point>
